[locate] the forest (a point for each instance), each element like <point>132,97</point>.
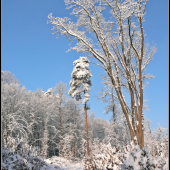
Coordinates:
<point>49,124</point>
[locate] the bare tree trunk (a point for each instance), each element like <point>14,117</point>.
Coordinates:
<point>113,106</point>
<point>6,137</point>
<point>140,87</point>
<point>45,140</point>
<point>73,149</point>
<point>85,109</point>
<point>74,143</point>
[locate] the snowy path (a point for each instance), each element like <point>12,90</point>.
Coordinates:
<point>57,163</point>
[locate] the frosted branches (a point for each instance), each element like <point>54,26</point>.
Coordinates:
<point>117,41</point>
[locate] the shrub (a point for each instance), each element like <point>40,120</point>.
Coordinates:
<point>17,154</point>
<point>129,157</point>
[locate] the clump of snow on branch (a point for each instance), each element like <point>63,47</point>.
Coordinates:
<point>80,79</point>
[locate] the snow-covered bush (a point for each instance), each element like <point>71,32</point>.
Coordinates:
<point>19,146</point>
<point>157,141</point>
<point>104,157</point>
<point>11,160</point>
<point>129,157</point>
<point>18,155</point>
<point>67,149</point>
<point>140,159</point>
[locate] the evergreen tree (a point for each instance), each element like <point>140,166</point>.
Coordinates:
<point>80,85</point>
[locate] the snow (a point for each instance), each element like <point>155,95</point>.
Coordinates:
<point>12,160</point>
<point>135,104</point>
<point>137,123</point>
<point>80,79</point>
<point>58,163</point>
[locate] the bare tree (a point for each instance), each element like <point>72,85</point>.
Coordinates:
<point>118,44</point>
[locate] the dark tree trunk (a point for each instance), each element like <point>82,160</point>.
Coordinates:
<point>85,109</point>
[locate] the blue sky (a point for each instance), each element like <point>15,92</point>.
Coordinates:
<point>39,60</point>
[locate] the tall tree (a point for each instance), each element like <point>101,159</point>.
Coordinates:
<point>118,44</point>
<point>60,89</point>
<point>46,119</point>
<point>80,85</point>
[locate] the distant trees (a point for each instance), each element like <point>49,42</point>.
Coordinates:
<point>107,96</point>
<point>36,115</point>
<point>60,91</point>
<point>13,107</point>
<point>118,44</point>
<point>73,130</point>
<point>80,85</point>
<point>157,140</point>
<point>53,124</point>
<point>46,117</point>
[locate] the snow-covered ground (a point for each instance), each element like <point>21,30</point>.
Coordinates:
<point>58,163</point>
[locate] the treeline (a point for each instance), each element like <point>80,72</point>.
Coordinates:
<point>52,123</point>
